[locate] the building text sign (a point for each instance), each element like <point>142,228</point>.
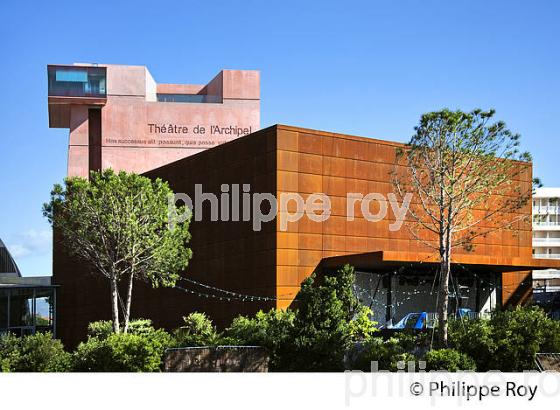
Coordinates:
<point>181,135</point>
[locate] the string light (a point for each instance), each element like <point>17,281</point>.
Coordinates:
<point>234,294</point>
<point>246,298</point>
<point>492,285</point>
<point>405,295</point>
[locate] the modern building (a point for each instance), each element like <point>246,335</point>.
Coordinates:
<point>237,269</point>
<point>27,305</point>
<point>120,118</point>
<point>208,136</point>
<point>546,244</point>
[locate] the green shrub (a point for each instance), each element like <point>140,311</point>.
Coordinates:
<point>476,339</point>
<point>449,360</point>
<point>10,346</point>
<point>33,353</point>
<point>271,330</point>
<point>412,341</point>
<point>101,329</point>
<point>323,333</point>
<point>361,327</point>
<point>551,335</point>
<point>198,330</point>
<point>104,328</point>
<point>508,341</point>
<point>387,353</point>
<point>140,350</point>
<point>328,321</point>
<point>94,355</point>
<point>139,353</point>
<point>140,327</point>
<point>519,334</point>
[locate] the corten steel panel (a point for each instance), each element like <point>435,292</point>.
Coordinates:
<point>315,161</point>
<point>226,255</point>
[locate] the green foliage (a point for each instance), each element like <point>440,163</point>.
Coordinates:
<point>121,352</point>
<point>506,342</point>
<point>118,224</point>
<point>33,353</point>
<point>417,343</point>
<point>9,352</point>
<point>100,329</point>
<point>509,340</point>
<point>551,335</point>
<point>94,355</point>
<point>324,329</point>
<point>519,334</point>
<point>123,218</point>
<point>449,360</point>
<point>141,350</point>
<point>387,353</point>
<point>271,330</point>
<point>361,327</point>
<point>457,164</point>
<point>198,330</point>
<point>474,338</point>
<point>317,336</point>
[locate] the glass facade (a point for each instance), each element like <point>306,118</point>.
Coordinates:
<point>26,310</point>
<point>77,81</point>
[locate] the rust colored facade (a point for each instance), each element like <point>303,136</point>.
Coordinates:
<point>272,262</point>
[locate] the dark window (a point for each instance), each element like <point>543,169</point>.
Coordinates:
<point>3,308</point>
<point>189,98</point>
<point>94,130</point>
<point>21,307</point>
<point>27,310</point>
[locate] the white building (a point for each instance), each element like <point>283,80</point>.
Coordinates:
<point>546,237</point>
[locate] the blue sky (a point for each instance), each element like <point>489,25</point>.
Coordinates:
<point>369,68</point>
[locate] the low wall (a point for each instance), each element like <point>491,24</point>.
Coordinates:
<point>216,359</point>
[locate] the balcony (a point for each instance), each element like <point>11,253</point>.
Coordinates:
<point>547,242</point>
<point>546,256</point>
<point>546,210</point>
<point>546,226</point>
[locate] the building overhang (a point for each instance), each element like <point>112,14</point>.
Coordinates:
<point>59,108</point>
<point>70,85</point>
<point>26,282</point>
<point>391,260</point>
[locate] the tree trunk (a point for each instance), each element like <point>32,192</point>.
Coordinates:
<point>115,305</point>
<point>128,303</point>
<point>445,269</point>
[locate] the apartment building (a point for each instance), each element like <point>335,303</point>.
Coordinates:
<point>546,244</point>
